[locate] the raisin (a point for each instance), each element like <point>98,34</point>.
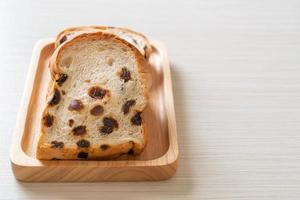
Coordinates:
<point>145,50</point>
<point>71,122</point>
<point>106,130</point>
<point>97,110</point>
<point>48,120</point>
<point>104,147</point>
<point>109,125</point>
<point>75,105</point>
<point>56,144</point>
<point>63,92</point>
<point>136,119</point>
<point>79,130</point>
<point>62,78</point>
<point>125,74</point>
<point>82,155</point>
<point>97,92</point>
<point>83,143</point>
<point>130,152</point>
<point>111,122</point>
<point>55,99</point>
<point>127,105</point>
<point>87,81</point>
<point>134,41</point>
<point>63,39</point>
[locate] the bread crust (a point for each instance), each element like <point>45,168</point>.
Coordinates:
<point>44,151</point>
<point>71,30</point>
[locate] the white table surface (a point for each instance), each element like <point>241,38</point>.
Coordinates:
<point>236,74</point>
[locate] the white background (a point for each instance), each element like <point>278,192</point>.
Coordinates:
<point>236,74</point>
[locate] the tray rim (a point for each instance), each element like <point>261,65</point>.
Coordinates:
<point>19,159</point>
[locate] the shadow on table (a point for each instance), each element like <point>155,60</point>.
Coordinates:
<point>179,185</point>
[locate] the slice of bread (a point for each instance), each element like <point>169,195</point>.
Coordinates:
<point>96,98</point>
<point>136,39</point>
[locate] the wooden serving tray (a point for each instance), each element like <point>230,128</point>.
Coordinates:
<point>157,162</point>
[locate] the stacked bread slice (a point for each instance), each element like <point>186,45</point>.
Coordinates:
<point>136,39</point>
<point>97,95</point>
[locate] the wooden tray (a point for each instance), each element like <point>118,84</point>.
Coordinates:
<point>157,162</point>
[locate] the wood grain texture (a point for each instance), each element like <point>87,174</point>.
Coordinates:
<point>236,77</point>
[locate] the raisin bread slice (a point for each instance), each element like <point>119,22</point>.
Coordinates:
<point>94,107</point>
<point>136,39</point>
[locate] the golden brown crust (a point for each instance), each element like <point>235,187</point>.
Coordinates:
<point>76,29</point>
<point>44,151</point>
<point>68,31</point>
